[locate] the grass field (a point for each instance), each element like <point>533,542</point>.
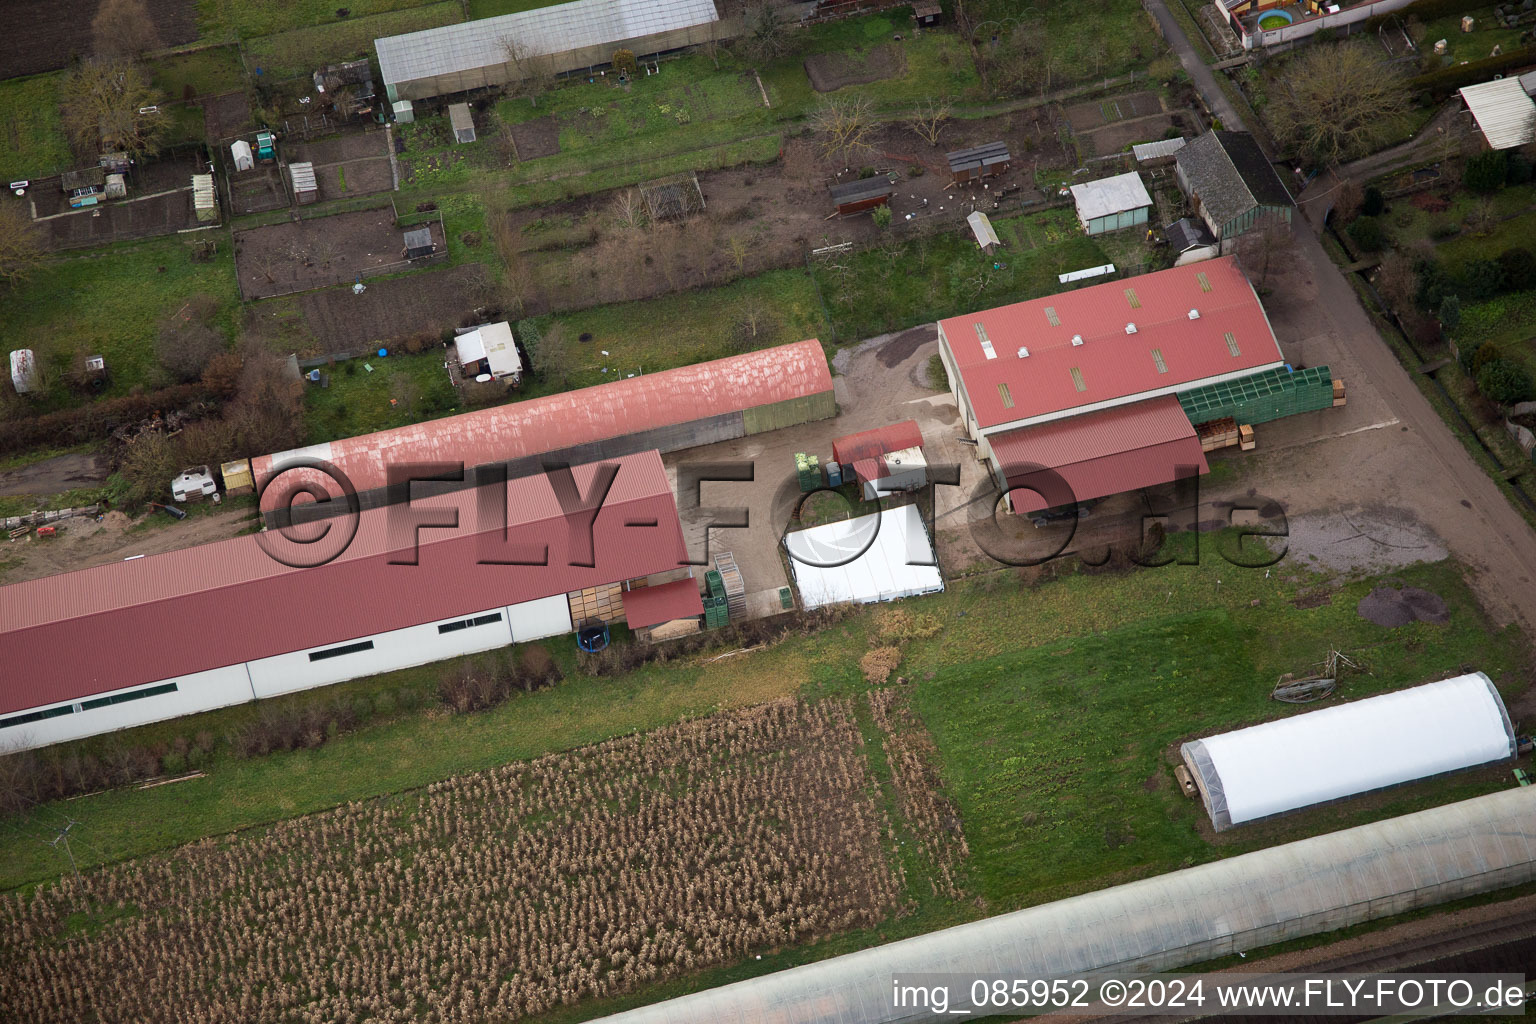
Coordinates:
<point>1474,45</point>
<point>32,142</point>
<point>302,50</point>
<point>1516,232</point>
<point>229,19</point>
<point>887,289</point>
<point>687,327</point>
<point>111,302</point>
<point>206,72</point>
<point>1097,673</point>
<point>358,402</point>
<point>492,8</point>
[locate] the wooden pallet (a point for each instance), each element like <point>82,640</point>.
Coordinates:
<point>735,586</point>
<point>1216,434</point>
<point>1339,397</point>
<point>1245,438</point>
<point>605,603</point>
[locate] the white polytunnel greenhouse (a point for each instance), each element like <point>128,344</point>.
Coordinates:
<point>1350,749</point>
<point>1162,923</point>
<point>871,558</point>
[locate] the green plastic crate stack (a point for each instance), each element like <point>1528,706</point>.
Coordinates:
<point>716,612</point>
<point>714,584</point>
<point>808,470</point>
<point>1261,397</point>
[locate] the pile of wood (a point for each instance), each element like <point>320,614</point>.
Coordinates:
<point>605,603</point>
<point>1245,438</point>
<point>1216,434</point>
<point>667,630</point>
<point>31,519</point>
<point>1338,392</point>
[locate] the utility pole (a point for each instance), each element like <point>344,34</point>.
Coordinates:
<point>63,837</point>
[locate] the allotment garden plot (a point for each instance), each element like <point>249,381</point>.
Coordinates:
<point>297,256</point>
<point>353,164</point>
<point>392,308</point>
<point>505,893</point>
<point>42,37</point>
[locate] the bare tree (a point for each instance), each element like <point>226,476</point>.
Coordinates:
<point>1396,281</point>
<point>21,244</point>
<point>326,252</point>
<point>844,128</point>
<point>124,28</point>
<point>1337,102</point>
<point>764,35</point>
<point>1264,245</point>
<point>1347,200</point>
<point>527,71</point>
<point>109,106</point>
<point>738,250</point>
<point>753,323</point>
<point>187,341</point>
<point>629,211</point>
<point>927,121</point>
<point>552,354</point>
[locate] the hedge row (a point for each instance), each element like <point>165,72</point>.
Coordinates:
<point>1442,83</point>
<point>97,420</point>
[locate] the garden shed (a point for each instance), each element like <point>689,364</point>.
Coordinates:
<point>1190,240</point>
<point>978,162</point>
<point>1349,749</point>
<point>240,153</point>
<point>982,229</point>
<point>418,243</point>
<point>462,122</point>
<point>1155,154</point>
<point>1111,204</point>
<point>862,195</point>
<point>205,203</point>
<point>305,189</point>
<point>663,611</point>
<point>489,349</point>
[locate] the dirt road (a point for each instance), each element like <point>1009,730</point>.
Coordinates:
<point>84,543</point>
<point>56,475</point>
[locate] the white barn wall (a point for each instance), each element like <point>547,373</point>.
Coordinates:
<point>396,649</point>
<point>535,620</point>
<point>200,691</point>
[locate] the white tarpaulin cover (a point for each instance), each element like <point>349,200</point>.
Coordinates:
<point>871,558</point>
<point>1351,748</point>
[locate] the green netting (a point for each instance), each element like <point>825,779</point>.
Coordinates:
<point>1261,397</point>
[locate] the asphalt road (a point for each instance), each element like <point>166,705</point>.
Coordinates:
<point>1491,537</point>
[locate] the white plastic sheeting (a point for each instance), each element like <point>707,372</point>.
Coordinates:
<point>1162,923</point>
<point>871,558</point>
<point>1350,749</point>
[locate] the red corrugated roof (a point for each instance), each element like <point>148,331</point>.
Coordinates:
<point>867,470</point>
<point>649,606</point>
<point>869,444</point>
<point>597,413</point>
<point>1113,365</point>
<point>79,633</point>
<point>1098,454</point>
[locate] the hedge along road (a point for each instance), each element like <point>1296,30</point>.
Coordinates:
<point>1434,471</point>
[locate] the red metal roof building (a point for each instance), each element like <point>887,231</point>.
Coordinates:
<point>1124,448</point>
<point>665,411</point>
<point>869,444</point>
<point>1059,358</point>
<point>79,634</point>
<point>653,605</point>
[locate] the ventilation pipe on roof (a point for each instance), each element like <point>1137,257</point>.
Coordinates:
<point>1194,314</point>
<point>1130,328</point>
<point>1023,352</point>
<point>1077,339</point>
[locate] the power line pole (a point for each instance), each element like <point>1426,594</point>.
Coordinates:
<point>63,837</point>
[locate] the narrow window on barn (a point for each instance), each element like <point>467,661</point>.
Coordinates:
<point>1077,379</point>
<point>986,342</point>
<point>1232,345</point>
<point>1205,282</point>
<point>1051,317</point>
<point>119,698</point>
<point>478,620</point>
<point>1005,395</point>
<point>1157,358</point>
<point>336,652</point>
<point>36,716</point>
<point>1130,296</point>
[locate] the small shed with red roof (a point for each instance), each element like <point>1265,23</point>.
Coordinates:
<point>664,611</point>
<point>885,459</point>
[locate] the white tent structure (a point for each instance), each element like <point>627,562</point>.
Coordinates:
<point>1156,924</point>
<point>872,558</point>
<point>1350,749</point>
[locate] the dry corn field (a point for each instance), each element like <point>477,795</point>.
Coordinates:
<point>492,896</point>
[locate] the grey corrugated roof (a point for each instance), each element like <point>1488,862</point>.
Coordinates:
<point>1230,174</point>
<point>478,44</point>
<point>303,177</point>
<point>978,156</point>
<point>1186,234</point>
<point>1158,149</point>
<point>1158,923</point>
<point>1106,196</point>
<point>1503,111</point>
<point>861,189</point>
